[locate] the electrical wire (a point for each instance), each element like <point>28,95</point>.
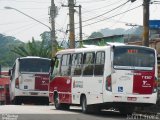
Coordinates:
<point>84,12</point>
<point>112,16</point>
<point>91,1</point>
<point>106,12</point>
<point>25,1</point>
<point>121,16</point>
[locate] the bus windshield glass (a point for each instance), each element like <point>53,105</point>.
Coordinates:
<point>128,57</point>
<point>34,65</point>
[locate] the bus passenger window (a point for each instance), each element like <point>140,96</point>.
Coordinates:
<point>76,64</point>
<point>88,63</point>
<point>65,65</point>
<point>99,63</point>
<point>56,70</point>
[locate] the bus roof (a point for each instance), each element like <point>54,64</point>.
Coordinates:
<point>36,57</point>
<point>97,48</point>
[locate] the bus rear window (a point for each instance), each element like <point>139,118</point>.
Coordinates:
<point>134,58</point>
<point>34,65</point>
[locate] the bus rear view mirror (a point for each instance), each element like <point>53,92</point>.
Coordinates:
<point>10,72</point>
<point>56,63</point>
<point>52,62</point>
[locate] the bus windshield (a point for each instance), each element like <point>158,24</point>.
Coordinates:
<point>128,57</point>
<point>34,65</point>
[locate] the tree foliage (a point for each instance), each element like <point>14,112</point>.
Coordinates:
<point>33,48</point>
<point>7,58</point>
<point>96,35</point>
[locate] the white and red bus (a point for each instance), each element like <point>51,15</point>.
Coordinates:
<point>29,80</point>
<point>115,76</point>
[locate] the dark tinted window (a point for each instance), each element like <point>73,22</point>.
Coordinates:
<point>99,63</point>
<point>76,64</point>
<point>134,56</point>
<point>66,65</point>
<point>34,65</point>
<point>88,65</point>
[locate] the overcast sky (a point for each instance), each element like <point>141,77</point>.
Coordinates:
<point>15,24</point>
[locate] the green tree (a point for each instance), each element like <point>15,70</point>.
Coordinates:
<point>33,48</point>
<point>7,58</point>
<point>96,35</point>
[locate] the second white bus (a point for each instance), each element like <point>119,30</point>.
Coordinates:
<point>116,76</point>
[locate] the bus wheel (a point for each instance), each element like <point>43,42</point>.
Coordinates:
<point>85,107</point>
<point>58,106</point>
<point>126,110</point>
<point>17,101</point>
<point>65,106</point>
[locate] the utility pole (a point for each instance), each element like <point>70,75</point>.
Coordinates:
<point>80,25</point>
<point>145,41</point>
<point>53,13</point>
<point>71,24</point>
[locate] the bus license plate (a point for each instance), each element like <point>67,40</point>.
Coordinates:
<point>34,93</point>
<point>131,98</point>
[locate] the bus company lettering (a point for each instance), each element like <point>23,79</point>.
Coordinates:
<point>145,82</point>
<point>137,74</point>
<point>147,77</point>
<point>77,84</point>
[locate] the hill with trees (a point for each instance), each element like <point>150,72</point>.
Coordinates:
<point>7,43</point>
<point>11,48</point>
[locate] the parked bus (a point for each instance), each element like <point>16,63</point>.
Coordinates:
<point>29,80</point>
<point>114,76</point>
<point>4,88</point>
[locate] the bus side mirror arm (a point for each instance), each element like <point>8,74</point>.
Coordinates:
<point>52,64</point>
<point>10,72</point>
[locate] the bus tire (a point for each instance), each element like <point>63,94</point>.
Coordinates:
<point>85,107</point>
<point>126,110</point>
<point>57,105</point>
<point>17,101</point>
<point>65,106</point>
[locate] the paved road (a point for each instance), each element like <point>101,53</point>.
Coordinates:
<point>32,112</point>
<point>29,112</point>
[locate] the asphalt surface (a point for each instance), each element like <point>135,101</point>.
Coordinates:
<point>32,112</point>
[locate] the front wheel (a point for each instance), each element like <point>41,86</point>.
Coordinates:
<point>85,107</point>
<point>56,102</point>
<point>58,105</point>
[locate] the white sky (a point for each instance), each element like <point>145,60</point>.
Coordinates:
<point>15,24</point>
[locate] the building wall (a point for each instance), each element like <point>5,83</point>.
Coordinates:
<point>103,40</point>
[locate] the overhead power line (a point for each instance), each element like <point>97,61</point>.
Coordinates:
<point>91,1</point>
<point>25,1</point>
<point>106,12</point>
<point>111,16</point>
<point>101,7</point>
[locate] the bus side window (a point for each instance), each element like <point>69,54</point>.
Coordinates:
<point>12,72</point>
<point>56,69</point>
<point>88,63</point>
<point>76,64</point>
<point>66,65</point>
<point>99,63</point>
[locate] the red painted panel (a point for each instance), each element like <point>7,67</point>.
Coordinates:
<point>41,82</point>
<point>143,82</point>
<point>63,86</point>
<point>4,93</point>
